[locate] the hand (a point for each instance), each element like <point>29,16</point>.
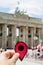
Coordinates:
<point>8,58</point>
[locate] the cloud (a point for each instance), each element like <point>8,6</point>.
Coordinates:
<point>8,3</point>
<point>33,7</point>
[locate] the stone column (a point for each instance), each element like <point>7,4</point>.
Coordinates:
<point>39,36</point>
<point>0,36</point>
<point>34,33</point>
<point>9,41</point>
<point>42,33</point>
<point>20,33</point>
<point>42,36</point>
<point>13,36</point>
<point>4,36</point>
<point>26,35</point>
<point>32,37</point>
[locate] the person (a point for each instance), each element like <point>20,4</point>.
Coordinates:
<point>8,57</point>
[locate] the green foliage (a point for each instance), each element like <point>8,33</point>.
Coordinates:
<point>17,39</point>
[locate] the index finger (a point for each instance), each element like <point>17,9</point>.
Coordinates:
<point>9,53</point>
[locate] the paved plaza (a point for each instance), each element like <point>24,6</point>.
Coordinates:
<point>28,61</point>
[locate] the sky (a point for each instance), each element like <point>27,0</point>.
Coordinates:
<point>33,8</point>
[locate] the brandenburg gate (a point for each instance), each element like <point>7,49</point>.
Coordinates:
<point>28,28</point>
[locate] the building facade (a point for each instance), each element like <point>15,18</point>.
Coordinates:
<point>28,29</point>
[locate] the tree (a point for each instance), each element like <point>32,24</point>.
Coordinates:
<point>17,39</point>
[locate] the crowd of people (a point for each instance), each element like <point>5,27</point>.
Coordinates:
<point>35,53</point>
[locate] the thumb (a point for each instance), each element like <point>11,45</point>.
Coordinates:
<point>15,57</point>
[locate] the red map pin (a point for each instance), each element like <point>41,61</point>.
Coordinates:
<point>21,48</point>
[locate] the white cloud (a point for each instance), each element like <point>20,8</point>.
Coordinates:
<point>8,3</point>
<point>34,7</point>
